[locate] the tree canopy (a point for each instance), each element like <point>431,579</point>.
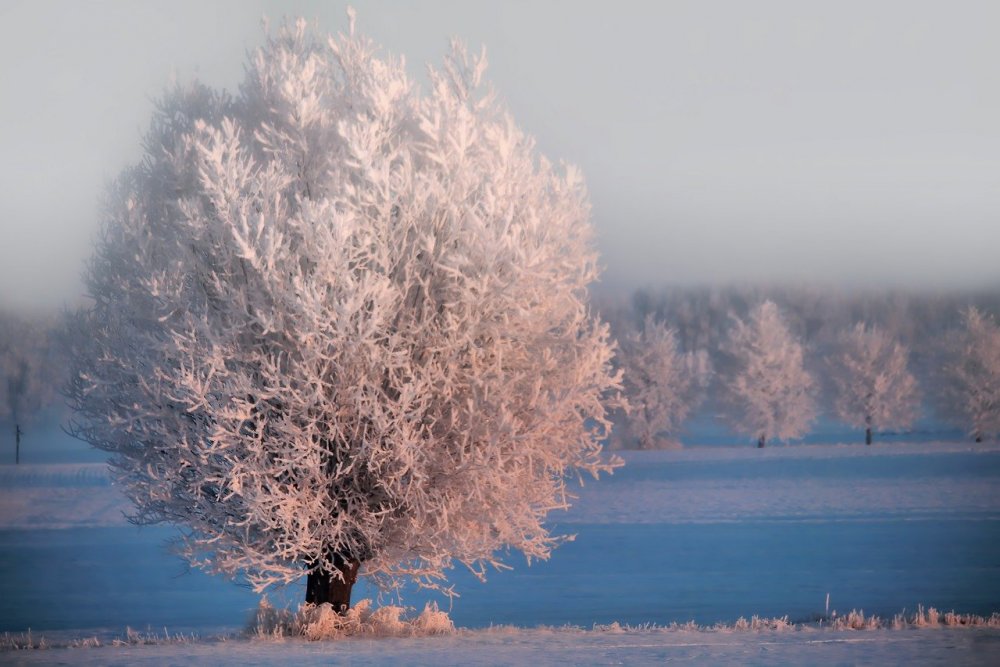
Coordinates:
<point>338,318</point>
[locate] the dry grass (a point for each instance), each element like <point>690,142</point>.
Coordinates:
<point>922,618</point>
<point>27,640</point>
<point>312,622</point>
<point>317,622</point>
<point>21,641</point>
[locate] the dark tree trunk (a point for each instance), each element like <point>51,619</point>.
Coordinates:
<point>868,435</point>
<point>761,441</point>
<point>324,586</point>
<point>17,443</point>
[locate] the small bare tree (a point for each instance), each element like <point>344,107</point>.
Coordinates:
<point>873,386</point>
<point>663,385</point>
<point>766,390</point>
<point>28,382</point>
<point>971,398</point>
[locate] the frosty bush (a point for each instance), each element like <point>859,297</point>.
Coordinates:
<point>874,389</point>
<point>338,323</point>
<point>767,391</point>
<point>971,397</point>
<point>662,384</point>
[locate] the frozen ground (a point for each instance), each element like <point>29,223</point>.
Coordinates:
<point>694,485</point>
<point>961,646</point>
<point>797,482</point>
<point>706,534</point>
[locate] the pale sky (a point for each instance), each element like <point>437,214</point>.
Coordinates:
<point>839,143</point>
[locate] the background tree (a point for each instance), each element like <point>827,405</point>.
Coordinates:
<point>341,325</point>
<point>971,377</point>
<point>766,389</point>
<point>663,385</point>
<point>28,373</point>
<point>873,386</point>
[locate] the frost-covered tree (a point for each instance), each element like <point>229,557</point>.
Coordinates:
<point>971,396</point>
<point>765,387</point>
<point>341,324</point>
<point>873,386</point>
<point>28,381</point>
<point>662,384</point>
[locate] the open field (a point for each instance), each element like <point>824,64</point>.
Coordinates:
<point>706,534</point>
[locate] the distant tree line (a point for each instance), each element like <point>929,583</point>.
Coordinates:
<point>769,361</point>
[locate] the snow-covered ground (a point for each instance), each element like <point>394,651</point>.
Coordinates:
<point>797,482</point>
<point>694,485</point>
<point>708,534</point>
<point>961,646</point>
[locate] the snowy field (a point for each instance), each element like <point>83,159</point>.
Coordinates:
<point>962,646</point>
<point>705,534</point>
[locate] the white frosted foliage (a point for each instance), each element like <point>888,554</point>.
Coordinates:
<point>333,315</point>
<point>663,385</point>
<point>874,388</point>
<point>972,375</point>
<point>766,390</point>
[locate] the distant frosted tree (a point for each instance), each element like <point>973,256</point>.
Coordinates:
<point>874,388</point>
<point>341,326</point>
<point>28,377</point>
<point>972,376</point>
<point>765,388</point>
<point>663,385</point>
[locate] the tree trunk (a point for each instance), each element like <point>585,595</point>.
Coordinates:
<point>17,443</point>
<point>761,441</point>
<point>324,586</point>
<point>868,435</point>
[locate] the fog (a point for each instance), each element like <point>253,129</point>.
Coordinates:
<point>851,143</point>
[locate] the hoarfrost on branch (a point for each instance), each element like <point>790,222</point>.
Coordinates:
<point>336,317</point>
<point>874,388</point>
<point>663,385</point>
<point>972,375</point>
<point>766,389</point>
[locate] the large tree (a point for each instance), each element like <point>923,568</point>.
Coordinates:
<point>971,396</point>
<point>767,391</point>
<point>663,385</point>
<point>874,388</point>
<point>340,324</point>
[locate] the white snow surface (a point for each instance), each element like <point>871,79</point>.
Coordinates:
<point>780,496</point>
<point>59,495</point>
<point>563,646</point>
<point>74,495</point>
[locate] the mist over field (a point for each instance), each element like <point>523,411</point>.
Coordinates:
<point>849,145</point>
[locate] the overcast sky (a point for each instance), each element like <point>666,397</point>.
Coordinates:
<point>844,143</point>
